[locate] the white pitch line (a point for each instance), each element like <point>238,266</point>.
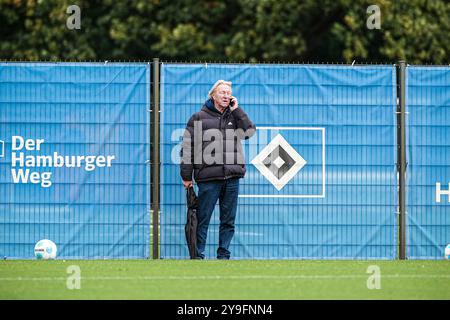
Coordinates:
<point>275,277</point>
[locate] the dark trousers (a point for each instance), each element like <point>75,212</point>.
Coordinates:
<point>226,191</point>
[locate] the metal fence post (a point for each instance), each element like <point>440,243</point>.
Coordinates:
<point>401,158</point>
<point>156,159</point>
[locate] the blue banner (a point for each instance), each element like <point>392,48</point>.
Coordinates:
<point>74,151</point>
<point>428,171</point>
<point>336,128</point>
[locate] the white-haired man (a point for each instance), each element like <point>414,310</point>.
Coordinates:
<point>212,154</point>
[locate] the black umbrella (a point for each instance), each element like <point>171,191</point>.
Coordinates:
<point>191,224</point>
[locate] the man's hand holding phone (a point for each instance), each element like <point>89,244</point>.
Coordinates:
<point>233,103</point>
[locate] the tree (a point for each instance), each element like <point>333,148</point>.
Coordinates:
<point>235,30</point>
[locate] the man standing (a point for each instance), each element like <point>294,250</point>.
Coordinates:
<point>212,152</point>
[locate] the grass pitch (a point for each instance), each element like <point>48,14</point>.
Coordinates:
<point>225,280</point>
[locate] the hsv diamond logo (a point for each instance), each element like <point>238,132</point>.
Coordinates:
<point>278,162</point>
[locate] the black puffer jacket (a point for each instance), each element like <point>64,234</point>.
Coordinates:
<point>229,158</point>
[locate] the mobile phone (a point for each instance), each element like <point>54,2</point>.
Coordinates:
<point>232,102</point>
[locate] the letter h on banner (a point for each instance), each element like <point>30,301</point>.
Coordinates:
<point>440,192</point>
